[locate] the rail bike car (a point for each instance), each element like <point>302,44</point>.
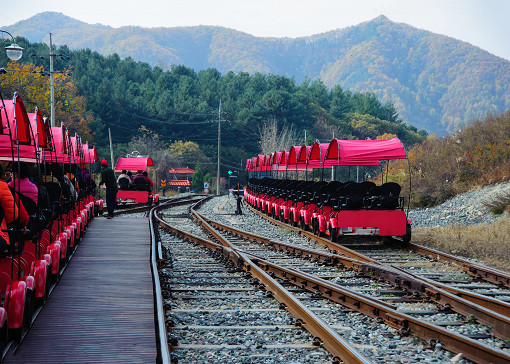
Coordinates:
<point>335,209</point>
<point>364,208</point>
<point>137,191</point>
<point>35,257</point>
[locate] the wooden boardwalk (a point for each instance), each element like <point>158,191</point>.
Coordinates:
<point>102,311</point>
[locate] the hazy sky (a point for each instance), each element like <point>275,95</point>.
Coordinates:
<point>484,23</point>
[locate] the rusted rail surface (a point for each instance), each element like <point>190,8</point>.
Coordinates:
<point>325,336</point>
<point>462,301</point>
<point>476,270</point>
<point>407,324</point>
<point>492,304</point>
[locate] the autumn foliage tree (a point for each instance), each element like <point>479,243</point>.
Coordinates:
<point>34,88</point>
<point>442,167</point>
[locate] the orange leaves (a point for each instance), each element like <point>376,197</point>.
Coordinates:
<point>34,88</point>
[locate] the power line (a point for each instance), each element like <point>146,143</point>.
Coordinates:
<point>176,113</point>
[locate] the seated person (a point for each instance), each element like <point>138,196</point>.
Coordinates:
<point>140,182</point>
<point>146,175</point>
<point>23,184</point>
<point>13,214</point>
<point>124,181</point>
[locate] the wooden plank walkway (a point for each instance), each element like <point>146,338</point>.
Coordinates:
<point>102,311</point>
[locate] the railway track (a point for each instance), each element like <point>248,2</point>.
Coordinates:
<point>473,282</point>
<point>217,313</point>
<point>367,332</point>
<point>464,324</point>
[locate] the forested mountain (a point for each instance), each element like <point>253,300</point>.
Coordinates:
<point>436,83</point>
<point>181,104</point>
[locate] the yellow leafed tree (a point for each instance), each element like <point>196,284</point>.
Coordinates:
<point>34,89</point>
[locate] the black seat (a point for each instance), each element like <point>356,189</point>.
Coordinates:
<point>141,184</point>
<point>390,192</point>
<point>329,196</point>
<point>124,183</point>
<point>354,195</point>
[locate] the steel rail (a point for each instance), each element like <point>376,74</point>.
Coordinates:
<point>163,354</point>
<point>407,325</point>
<point>471,349</point>
<point>458,299</point>
<point>323,334</point>
<point>476,270</point>
<point>490,303</point>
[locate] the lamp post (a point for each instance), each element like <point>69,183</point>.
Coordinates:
<point>14,51</point>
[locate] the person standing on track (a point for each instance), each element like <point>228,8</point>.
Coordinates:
<point>108,178</point>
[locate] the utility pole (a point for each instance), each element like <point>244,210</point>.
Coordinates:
<point>219,144</point>
<point>111,148</point>
<point>52,85</point>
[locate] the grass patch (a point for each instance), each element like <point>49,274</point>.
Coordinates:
<point>499,204</point>
<point>489,244</point>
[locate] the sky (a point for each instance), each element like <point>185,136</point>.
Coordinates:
<point>483,23</point>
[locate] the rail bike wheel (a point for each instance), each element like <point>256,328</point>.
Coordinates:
<point>407,237</point>
<point>315,227</point>
<point>333,235</point>
<point>29,308</point>
<point>292,222</point>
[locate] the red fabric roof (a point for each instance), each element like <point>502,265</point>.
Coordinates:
<point>17,120</point>
<point>179,182</point>
<point>41,127</point>
<point>133,164</point>
<point>316,155</point>
<point>370,152</point>
<point>337,152</point>
<point>297,158</point>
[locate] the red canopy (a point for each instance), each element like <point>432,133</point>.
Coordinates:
<point>41,127</point>
<point>14,118</point>
<point>133,164</point>
<point>18,120</point>
<point>186,170</point>
<point>90,154</point>
<point>335,153</point>
<point>370,152</point>
<point>280,161</point>
<point>316,155</point>
<point>261,164</point>
<point>297,158</point>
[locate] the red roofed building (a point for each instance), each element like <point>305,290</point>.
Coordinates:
<point>181,173</point>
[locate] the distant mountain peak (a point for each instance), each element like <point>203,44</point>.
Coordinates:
<point>436,82</point>
<point>381,19</point>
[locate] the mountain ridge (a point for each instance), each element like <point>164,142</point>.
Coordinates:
<point>437,83</point>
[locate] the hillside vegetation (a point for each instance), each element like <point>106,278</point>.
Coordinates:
<point>181,104</point>
<point>435,82</point>
<point>442,167</point>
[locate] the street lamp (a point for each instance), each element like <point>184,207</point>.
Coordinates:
<point>14,51</point>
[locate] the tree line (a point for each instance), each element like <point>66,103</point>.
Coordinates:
<point>181,104</point>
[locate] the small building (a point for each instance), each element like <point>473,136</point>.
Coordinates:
<point>181,173</point>
<point>180,179</point>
